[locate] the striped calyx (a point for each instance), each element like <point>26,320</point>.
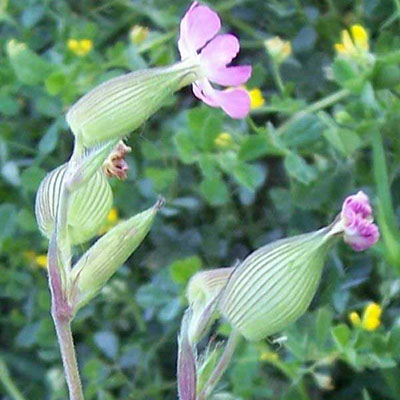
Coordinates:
<point>100,262</point>
<point>203,294</point>
<point>274,285</point>
<point>88,208</point>
<point>117,107</point>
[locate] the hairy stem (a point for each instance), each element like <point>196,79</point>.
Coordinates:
<point>65,340</point>
<point>222,365</point>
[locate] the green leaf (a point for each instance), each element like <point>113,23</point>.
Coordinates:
<point>55,82</point>
<point>323,323</point>
<point>341,334</point>
<point>186,147</point>
<point>8,218</point>
<point>298,169</point>
<point>344,140</point>
<point>8,105</point>
<point>107,342</point>
<point>343,72</point>
<point>305,131</point>
<point>205,125</point>
<point>182,270</point>
<point>31,178</point>
<point>162,178</point>
<point>29,68</point>
<point>208,165</point>
<point>214,191</point>
<point>254,147</point>
<point>49,140</point>
<point>250,176</point>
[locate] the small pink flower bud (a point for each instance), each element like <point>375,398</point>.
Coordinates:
<point>359,230</point>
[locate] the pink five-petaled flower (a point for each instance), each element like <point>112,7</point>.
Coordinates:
<point>359,230</point>
<point>199,41</point>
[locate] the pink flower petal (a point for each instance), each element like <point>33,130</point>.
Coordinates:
<point>230,76</point>
<point>235,102</point>
<point>204,91</point>
<point>199,25</point>
<point>358,203</point>
<point>360,234</point>
<point>219,52</point>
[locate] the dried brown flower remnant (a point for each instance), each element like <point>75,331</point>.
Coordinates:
<point>115,165</point>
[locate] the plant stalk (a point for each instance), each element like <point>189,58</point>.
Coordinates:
<point>318,105</point>
<point>66,343</point>
<point>386,214</point>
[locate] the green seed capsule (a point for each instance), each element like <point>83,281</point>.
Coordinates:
<point>117,107</point>
<point>88,209</point>
<point>274,286</point>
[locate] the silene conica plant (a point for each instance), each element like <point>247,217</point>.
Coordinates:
<point>73,200</point>
<point>260,296</point>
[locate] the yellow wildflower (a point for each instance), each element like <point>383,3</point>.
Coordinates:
<point>355,44</point>
<point>80,47</point>
<point>41,260</point>
<point>111,221</point>
<point>278,49</point>
<point>138,34</point>
<point>371,319</point>
<point>223,140</point>
<point>269,356</point>
<point>256,98</point>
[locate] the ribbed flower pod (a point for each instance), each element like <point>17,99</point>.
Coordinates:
<point>274,286</point>
<point>100,262</point>
<point>89,205</point>
<point>117,107</point>
<point>203,293</point>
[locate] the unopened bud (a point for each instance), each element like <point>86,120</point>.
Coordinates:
<point>203,293</point>
<point>115,108</point>
<point>278,49</point>
<point>138,34</point>
<point>88,207</point>
<point>186,370</point>
<point>102,260</point>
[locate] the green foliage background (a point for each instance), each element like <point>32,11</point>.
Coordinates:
<point>221,203</point>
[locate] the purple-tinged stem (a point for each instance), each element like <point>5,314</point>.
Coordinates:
<point>222,365</point>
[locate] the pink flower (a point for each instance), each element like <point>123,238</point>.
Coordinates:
<point>359,230</point>
<point>199,41</point>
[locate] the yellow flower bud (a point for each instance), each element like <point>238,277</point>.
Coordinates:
<point>223,140</point>
<point>138,34</point>
<point>354,42</point>
<point>278,49</point>
<point>355,318</point>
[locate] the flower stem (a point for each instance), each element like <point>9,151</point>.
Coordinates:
<point>65,340</point>
<point>318,105</point>
<point>277,77</point>
<point>222,365</point>
<point>8,383</point>
<point>386,215</point>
